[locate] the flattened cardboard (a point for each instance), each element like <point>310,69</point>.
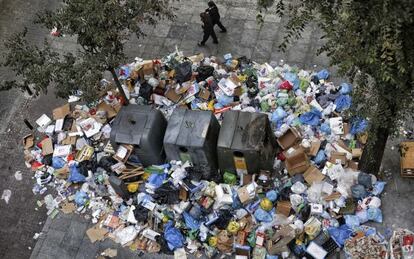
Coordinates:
<point>283,207</point>
<point>61,112</point>
<point>96,233</point>
<point>296,161</point>
<point>28,141</point>
<point>110,112</point>
<point>68,207</point>
<point>289,139</point>
<point>47,146</point>
<point>333,196</point>
<point>172,95</point>
<point>62,173</point>
<point>313,174</point>
<point>204,93</point>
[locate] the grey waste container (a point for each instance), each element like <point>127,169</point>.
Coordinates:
<point>192,135</point>
<point>246,143</point>
<point>144,127</point>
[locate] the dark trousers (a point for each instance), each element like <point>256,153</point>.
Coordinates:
<point>207,34</point>
<point>219,24</point>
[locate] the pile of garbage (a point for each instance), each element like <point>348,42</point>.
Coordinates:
<point>312,202</point>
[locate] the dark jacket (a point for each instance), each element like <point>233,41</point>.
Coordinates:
<point>214,14</point>
<point>208,26</point>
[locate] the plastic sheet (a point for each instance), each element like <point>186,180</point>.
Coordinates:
<point>343,102</point>
<point>173,236</point>
<point>345,88</point>
<point>75,176</point>
<point>191,222</point>
<point>340,234</point>
<point>311,118</point>
<point>323,74</point>
<point>358,125</point>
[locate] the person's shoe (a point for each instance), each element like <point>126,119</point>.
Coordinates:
<point>223,31</point>
<point>200,44</point>
<point>215,42</point>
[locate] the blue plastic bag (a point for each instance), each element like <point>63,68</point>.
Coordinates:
<point>345,88</point>
<point>325,128</point>
<point>81,198</point>
<point>191,222</point>
<point>278,115</point>
<point>75,176</point>
<point>320,157</point>
<point>225,99</point>
<point>173,236</point>
<point>362,216</point>
<point>271,195</point>
<point>375,214</point>
<point>378,188</point>
<point>58,162</point>
<point>157,179</point>
<point>358,125</point>
<point>323,74</point>
<point>311,118</point>
<point>343,102</point>
<point>236,201</point>
<point>352,221</point>
<point>358,191</point>
<point>262,215</point>
<point>340,234</point>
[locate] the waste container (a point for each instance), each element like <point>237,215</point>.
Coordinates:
<point>192,136</point>
<point>143,127</point>
<point>246,143</point>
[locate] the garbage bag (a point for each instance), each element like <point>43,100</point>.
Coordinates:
<point>272,195</point>
<point>320,157</point>
<point>340,234</point>
<point>183,72</point>
<point>224,217</point>
<point>365,180</point>
<point>81,198</point>
<point>358,125</point>
<point>358,191</point>
<point>204,72</point>
<point>286,85</point>
<point>345,88</point>
<point>141,213</point>
<point>278,115</point>
<point>362,216</point>
<point>173,236</point>
<point>325,128</point>
<point>75,176</point>
<point>191,222</point>
<point>311,118</point>
<point>167,194</point>
<point>378,187</point>
<point>157,179</point>
<point>225,99</point>
<point>262,215</point>
<point>323,74</point>
<point>58,162</point>
<point>375,214</point>
<point>293,79</point>
<point>298,188</point>
<point>343,102</point>
<point>145,91</point>
<point>352,221</point>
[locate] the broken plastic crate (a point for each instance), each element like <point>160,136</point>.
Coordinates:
<point>144,127</point>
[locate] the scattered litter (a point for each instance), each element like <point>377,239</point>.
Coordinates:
<point>253,160</point>
<point>6,195</point>
<point>18,175</point>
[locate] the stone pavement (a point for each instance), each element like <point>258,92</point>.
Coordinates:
<point>64,236</point>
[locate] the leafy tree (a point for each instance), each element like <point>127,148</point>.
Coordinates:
<point>101,28</point>
<point>372,43</point>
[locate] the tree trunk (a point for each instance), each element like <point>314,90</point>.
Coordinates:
<point>119,86</point>
<point>374,150</point>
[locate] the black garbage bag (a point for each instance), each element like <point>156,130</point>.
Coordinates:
<point>194,174</point>
<point>164,245</point>
<point>47,160</point>
<point>87,165</point>
<point>106,162</point>
<point>224,218</point>
<point>141,213</point>
<point>183,72</point>
<point>145,91</point>
<point>204,72</point>
<point>285,194</point>
<point>166,194</point>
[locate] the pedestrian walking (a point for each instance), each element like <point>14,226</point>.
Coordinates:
<point>213,11</point>
<point>208,29</point>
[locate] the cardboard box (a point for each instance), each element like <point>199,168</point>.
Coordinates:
<point>289,139</point>
<point>356,153</point>
<point>204,93</point>
<point>61,112</point>
<point>283,207</point>
<point>338,157</point>
<point>28,141</point>
<point>110,112</point>
<point>296,161</point>
<point>315,146</point>
<point>353,165</point>
<point>313,174</point>
<point>47,146</point>
<point>172,95</point>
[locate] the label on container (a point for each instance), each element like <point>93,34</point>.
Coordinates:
<point>240,164</point>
